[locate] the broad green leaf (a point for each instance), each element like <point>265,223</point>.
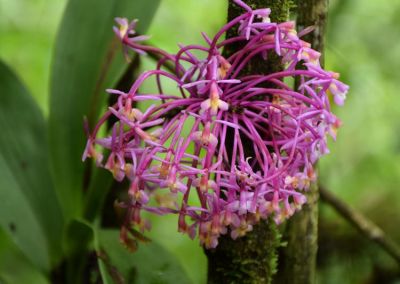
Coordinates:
<point>29,210</point>
<point>87,59</point>
<point>150,264</point>
<point>14,266</point>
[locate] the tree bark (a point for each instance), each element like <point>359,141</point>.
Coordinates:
<point>298,258</point>
<point>313,13</point>
<point>252,258</point>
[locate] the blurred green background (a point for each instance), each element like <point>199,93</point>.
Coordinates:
<point>362,44</point>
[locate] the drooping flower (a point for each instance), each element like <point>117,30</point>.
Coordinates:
<point>227,149</point>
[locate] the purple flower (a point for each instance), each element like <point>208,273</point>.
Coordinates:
<point>125,32</point>
<point>226,150</point>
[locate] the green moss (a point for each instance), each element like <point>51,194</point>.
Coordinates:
<point>280,9</point>
<point>248,260</point>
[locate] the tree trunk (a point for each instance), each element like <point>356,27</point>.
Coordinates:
<point>252,258</point>
<point>298,258</point>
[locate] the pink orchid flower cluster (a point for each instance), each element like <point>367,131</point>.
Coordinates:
<point>226,149</point>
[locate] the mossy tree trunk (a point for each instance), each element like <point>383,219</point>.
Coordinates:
<point>253,258</point>
<point>298,258</point>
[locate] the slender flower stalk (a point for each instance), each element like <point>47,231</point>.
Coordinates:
<point>177,147</point>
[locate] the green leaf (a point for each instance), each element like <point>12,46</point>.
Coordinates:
<point>78,238</point>
<point>29,210</point>
<point>87,60</point>
<point>151,263</point>
<point>101,183</point>
<point>14,266</point>
<point>78,235</point>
